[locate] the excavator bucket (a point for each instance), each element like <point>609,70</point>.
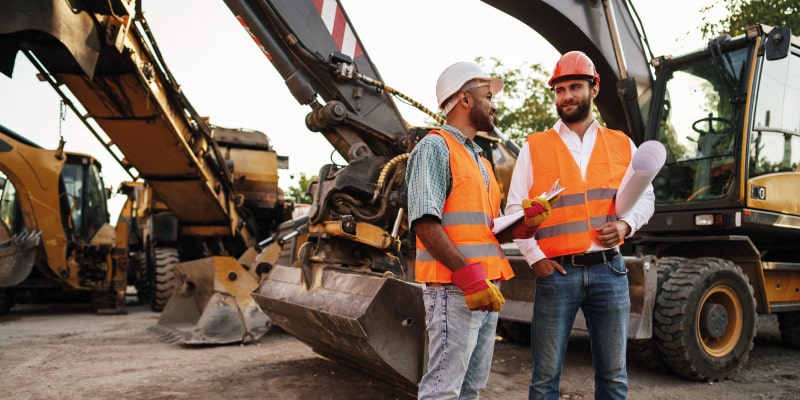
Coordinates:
<point>371,323</point>
<point>17,256</point>
<point>212,305</point>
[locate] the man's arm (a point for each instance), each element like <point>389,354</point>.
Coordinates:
<point>429,230</point>
<point>518,190</point>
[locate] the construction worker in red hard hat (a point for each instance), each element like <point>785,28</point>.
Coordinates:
<point>453,198</point>
<point>575,253</point>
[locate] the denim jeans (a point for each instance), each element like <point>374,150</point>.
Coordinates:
<point>601,292</point>
<point>460,345</point>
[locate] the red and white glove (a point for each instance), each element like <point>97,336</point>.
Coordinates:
<point>479,292</point>
<point>536,211</point>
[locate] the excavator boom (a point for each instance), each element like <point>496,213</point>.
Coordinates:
<point>616,45</point>
<point>320,57</point>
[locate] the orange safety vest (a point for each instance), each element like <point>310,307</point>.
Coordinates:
<point>467,217</point>
<point>583,206</point>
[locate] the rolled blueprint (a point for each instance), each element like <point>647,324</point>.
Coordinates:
<point>645,164</point>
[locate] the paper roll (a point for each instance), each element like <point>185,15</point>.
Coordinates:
<point>644,166</point>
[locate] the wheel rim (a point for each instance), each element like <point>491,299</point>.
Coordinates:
<point>725,343</point>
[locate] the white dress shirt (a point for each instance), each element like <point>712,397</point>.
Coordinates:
<point>581,150</point>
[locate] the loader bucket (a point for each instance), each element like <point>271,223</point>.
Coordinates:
<point>367,322</point>
<point>17,256</point>
<point>212,304</point>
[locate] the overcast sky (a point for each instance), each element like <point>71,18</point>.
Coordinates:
<point>227,78</point>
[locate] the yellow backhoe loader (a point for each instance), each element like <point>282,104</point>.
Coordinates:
<point>57,238</point>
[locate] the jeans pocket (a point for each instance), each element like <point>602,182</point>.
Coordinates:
<point>429,300</point>
<point>617,266</point>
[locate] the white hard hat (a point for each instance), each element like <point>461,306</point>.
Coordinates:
<point>455,76</point>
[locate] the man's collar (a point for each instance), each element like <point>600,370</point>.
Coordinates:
<point>461,137</point>
<point>562,128</point>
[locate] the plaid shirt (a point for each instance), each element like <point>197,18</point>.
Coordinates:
<point>428,176</point>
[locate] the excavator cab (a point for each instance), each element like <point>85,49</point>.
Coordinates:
<point>699,120</point>
<point>728,126</point>
<point>83,198</point>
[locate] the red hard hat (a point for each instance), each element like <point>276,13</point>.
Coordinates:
<point>577,64</point>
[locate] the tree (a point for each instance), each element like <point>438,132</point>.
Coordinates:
<point>527,104</point>
<point>299,194</point>
<point>745,13</point>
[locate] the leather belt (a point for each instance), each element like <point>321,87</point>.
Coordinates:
<point>587,259</point>
<point>438,284</point>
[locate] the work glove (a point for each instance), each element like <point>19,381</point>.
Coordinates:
<point>536,211</point>
<point>478,290</point>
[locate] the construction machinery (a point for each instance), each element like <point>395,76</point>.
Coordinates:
<point>714,256</point>
<point>718,250</point>
<point>208,191</point>
<point>57,240</point>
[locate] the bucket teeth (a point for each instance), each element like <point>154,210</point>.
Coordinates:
<point>169,335</point>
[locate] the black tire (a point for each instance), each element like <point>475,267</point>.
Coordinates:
<point>519,332</point>
<point>705,319</point>
<point>164,277</point>
<point>145,278</point>
<point>6,301</point>
<point>789,325</point>
<point>645,351</point>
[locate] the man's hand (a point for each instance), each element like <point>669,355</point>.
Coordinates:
<point>479,293</point>
<point>611,233</point>
<point>546,267</point>
<point>536,211</point>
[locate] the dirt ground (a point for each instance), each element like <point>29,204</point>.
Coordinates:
<point>68,352</point>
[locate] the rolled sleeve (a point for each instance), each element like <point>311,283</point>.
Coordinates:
<point>428,178</point>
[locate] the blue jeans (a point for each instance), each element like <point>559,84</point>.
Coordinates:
<point>601,292</point>
<point>460,345</point>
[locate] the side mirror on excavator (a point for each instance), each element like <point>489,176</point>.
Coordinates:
<point>778,41</point>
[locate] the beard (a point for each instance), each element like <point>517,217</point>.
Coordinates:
<point>580,114</point>
<point>481,120</point>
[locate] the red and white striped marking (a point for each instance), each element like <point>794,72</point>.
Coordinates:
<point>333,18</point>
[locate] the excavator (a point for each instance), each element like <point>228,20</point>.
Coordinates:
<point>57,239</point>
<point>209,193</point>
<point>716,254</point>
<point>726,216</point>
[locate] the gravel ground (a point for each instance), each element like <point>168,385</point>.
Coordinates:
<point>68,352</point>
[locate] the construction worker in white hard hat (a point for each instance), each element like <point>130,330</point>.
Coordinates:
<point>453,198</point>
<point>575,253</point>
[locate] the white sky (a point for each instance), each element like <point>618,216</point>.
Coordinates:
<point>227,78</point>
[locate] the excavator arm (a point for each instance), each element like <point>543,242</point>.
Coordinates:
<point>320,57</point>
<point>609,33</point>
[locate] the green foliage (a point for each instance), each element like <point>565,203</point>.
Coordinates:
<point>527,104</point>
<point>742,14</point>
<point>299,194</point>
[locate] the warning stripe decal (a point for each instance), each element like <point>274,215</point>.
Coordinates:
<point>333,18</point>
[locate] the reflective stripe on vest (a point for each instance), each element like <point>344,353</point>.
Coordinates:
<point>585,205</point>
<point>467,218</point>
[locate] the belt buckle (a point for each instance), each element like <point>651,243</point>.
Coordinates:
<point>572,260</point>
